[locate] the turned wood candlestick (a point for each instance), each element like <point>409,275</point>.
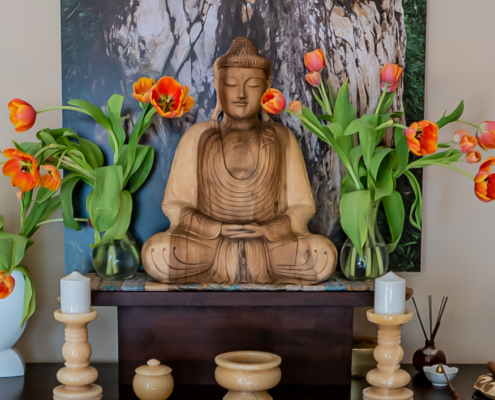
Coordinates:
<point>77,376</point>
<point>388,380</point>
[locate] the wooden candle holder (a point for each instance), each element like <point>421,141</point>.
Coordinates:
<point>388,380</point>
<point>77,376</point>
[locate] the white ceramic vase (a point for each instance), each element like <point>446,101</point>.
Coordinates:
<point>11,361</point>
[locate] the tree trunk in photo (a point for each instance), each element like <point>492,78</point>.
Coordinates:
<point>183,38</point>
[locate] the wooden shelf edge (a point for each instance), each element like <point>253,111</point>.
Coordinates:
<point>234,299</point>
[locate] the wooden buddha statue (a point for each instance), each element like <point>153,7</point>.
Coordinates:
<point>238,197</point>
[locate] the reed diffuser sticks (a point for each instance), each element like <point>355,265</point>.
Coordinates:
<point>433,330</point>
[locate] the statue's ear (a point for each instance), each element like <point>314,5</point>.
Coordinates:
<point>218,106</point>
<point>269,83</point>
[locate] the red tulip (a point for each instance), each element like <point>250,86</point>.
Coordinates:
<point>315,60</point>
<point>22,115</point>
<point>468,143</point>
<point>170,98</point>
<point>7,284</point>
<point>486,135</point>
<point>422,138</point>
<point>390,77</point>
<point>484,182</point>
<point>273,101</point>
<point>22,169</point>
<point>295,106</point>
<point>473,157</point>
<point>313,78</point>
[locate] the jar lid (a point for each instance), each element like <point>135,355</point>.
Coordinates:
<point>154,368</point>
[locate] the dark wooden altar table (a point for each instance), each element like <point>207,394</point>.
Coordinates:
<point>40,380</point>
<point>186,326</point>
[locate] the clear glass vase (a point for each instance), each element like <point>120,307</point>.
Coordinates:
<point>117,260</point>
<point>374,260</point>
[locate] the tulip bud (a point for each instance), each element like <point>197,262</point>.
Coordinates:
<point>486,135</point>
<point>315,60</point>
<point>20,195</point>
<point>390,77</point>
<point>468,143</point>
<point>313,78</point>
<point>473,157</point>
<point>273,101</point>
<point>295,106</point>
<point>459,135</point>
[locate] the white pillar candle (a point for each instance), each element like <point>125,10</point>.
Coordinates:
<point>390,295</point>
<point>75,294</point>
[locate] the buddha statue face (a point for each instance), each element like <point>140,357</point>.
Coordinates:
<point>240,91</point>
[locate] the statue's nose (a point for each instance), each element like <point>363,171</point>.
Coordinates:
<point>241,94</point>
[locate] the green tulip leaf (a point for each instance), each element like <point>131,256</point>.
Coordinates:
<point>416,213</point>
<point>402,152</point>
<point>354,210</point>
<point>103,206</point>
<point>66,190</point>
<point>344,114</point>
<point>395,213</point>
<point>94,111</point>
<point>145,156</point>
<point>123,220</point>
<point>114,110</point>
<point>454,116</point>
<point>92,153</point>
<point>29,294</point>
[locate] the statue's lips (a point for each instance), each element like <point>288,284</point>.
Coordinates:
<point>240,103</point>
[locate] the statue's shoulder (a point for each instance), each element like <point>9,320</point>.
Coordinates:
<point>193,134</point>
<point>284,134</point>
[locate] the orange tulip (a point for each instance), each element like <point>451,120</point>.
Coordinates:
<point>390,77</point>
<point>7,284</point>
<point>315,60</point>
<point>422,137</point>
<point>295,106</point>
<point>22,115</point>
<point>468,143</point>
<point>273,101</point>
<point>473,157</point>
<point>187,101</point>
<point>170,98</point>
<point>484,182</point>
<point>486,135</point>
<point>313,78</point>
<point>52,179</point>
<point>22,169</point>
<point>142,89</point>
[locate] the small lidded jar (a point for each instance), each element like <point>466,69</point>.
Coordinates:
<point>153,381</point>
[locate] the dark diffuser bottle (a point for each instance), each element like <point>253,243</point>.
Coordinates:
<point>428,356</point>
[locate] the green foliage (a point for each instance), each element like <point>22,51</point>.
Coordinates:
<point>414,73</point>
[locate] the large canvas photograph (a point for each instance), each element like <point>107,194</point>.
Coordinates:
<point>107,46</point>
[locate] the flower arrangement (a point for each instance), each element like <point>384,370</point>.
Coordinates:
<point>109,204</point>
<point>23,170</point>
<point>372,169</point>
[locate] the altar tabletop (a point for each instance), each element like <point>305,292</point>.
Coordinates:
<point>142,282</point>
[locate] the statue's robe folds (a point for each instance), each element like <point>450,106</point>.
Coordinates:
<point>202,195</point>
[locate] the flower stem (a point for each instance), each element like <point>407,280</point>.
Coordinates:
<point>69,108</point>
<point>456,169</point>
<point>469,123</point>
<point>384,92</point>
<point>59,220</point>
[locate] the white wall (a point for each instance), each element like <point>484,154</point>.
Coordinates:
<point>30,69</point>
<point>457,240</point>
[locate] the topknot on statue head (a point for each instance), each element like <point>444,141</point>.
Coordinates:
<point>243,54</point>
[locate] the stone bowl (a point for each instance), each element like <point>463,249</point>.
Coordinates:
<point>248,374</point>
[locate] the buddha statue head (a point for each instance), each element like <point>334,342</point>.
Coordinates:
<point>241,78</point>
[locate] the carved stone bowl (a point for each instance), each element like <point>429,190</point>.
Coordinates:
<point>248,374</point>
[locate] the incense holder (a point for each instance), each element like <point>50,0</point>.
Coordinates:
<point>428,356</point>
